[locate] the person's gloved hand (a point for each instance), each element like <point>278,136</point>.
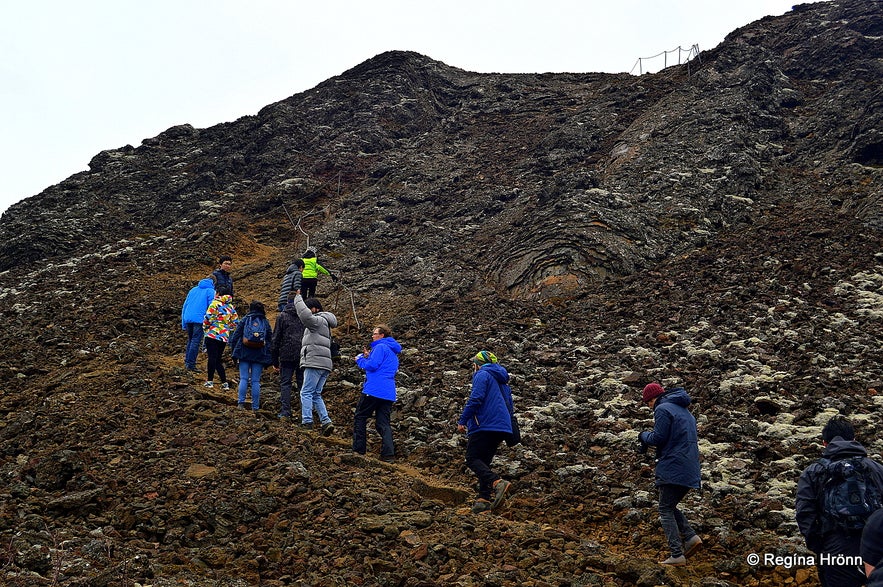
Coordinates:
<point>642,446</point>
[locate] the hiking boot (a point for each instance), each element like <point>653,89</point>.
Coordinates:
<point>240,406</point>
<point>692,545</point>
<point>225,386</point>
<point>327,429</point>
<point>306,425</point>
<point>481,506</point>
<point>208,384</point>
<point>501,486</point>
<point>388,458</point>
<point>675,561</point>
<point>284,419</point>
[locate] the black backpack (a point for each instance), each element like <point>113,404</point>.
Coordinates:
<point>254,334</point>
<point>849,495</point>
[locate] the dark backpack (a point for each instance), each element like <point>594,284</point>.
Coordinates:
<point>254,334</point>
<point>849,495</point>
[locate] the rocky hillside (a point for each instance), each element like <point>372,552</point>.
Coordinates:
<point>716,225</point>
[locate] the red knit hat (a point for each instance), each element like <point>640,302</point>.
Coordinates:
<point>651,391</point>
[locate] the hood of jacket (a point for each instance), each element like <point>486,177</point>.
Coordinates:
<point>497,371</point>
<point>677,396</point>
<point>388,341</point>
<point>329,317</point>
<point>843,449</point>
<point>206,283</point>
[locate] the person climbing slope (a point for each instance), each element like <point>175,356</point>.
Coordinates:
<point>310,277</point>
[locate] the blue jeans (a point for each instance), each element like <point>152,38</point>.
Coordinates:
<point>381,410</point>
<point>194,341</point>
<point>250,373</point>
<point>674,524</point>
<point>311,396</point>
<point>289,371</point>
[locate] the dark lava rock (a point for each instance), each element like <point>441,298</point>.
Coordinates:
<point>715,226</point>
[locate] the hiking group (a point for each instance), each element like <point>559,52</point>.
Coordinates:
<point>838,497</point>
<point>301,348</point>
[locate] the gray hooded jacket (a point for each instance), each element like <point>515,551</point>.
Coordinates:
<point>315,350</point>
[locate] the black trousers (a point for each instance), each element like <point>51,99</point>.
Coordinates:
<point>214,348</point>
<point>481,449</point>
<point>308,287</point>
<point>381,409</point>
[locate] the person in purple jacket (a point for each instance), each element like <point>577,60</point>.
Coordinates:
<point>487,421</point>
<point>381,363</point>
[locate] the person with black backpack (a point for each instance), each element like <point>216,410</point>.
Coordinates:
<point>835,497</point>
<point>252,345</point>
<point>487,421</point>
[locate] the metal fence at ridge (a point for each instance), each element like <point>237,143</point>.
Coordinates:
<point>661,60</point>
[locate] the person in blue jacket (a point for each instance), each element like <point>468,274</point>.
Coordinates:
<point>197,302</point>
<point>487,421</point>
<point>381,363</point>
<point>677,465</point>
<point>252,355</point>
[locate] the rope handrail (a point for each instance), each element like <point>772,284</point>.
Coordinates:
<point>692,52</point>
<point>297,226</point>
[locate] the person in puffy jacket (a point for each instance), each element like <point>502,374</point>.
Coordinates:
<point>291,282</point>
<point>218,324</point>
<point>311,272</point>
<point>487,420</point>
<point>199,298</point>
<point>252,345</point>
<point>381,363</point>
<point>676,440</point>
<point>315,360</point>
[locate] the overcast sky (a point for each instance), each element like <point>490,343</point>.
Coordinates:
<point>79,77</point>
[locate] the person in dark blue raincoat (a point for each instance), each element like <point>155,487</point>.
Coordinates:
<point>676,440</point>
<point>486,420</point>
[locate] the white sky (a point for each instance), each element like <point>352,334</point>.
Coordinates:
<point>81,76</point>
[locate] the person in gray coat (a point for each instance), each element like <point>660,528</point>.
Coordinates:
<point>315,360</point>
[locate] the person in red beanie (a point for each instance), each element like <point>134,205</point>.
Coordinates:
<point>675,437</point>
